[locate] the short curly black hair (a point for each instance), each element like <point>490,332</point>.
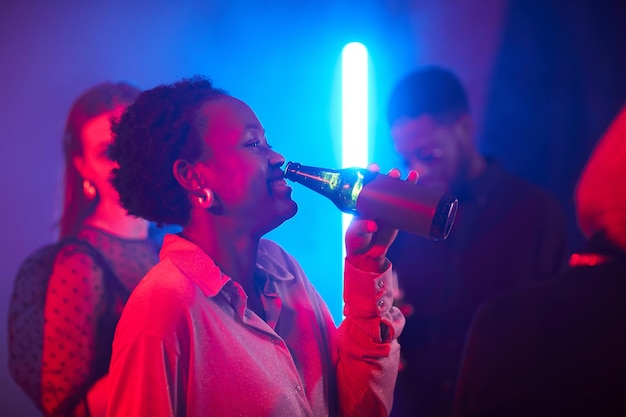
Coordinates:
<point>151,135</point>
<point>430,90</point>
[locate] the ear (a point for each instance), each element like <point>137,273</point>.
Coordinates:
<point>186,176</point>
<point>464,128</point>
<point>80,165</point>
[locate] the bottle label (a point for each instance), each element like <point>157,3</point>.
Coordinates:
<point>399,204</point>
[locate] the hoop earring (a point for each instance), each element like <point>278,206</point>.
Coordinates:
<point>206,199</point>
<point>89,190</point>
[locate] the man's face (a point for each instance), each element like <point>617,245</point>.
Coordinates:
<point>433,149</point>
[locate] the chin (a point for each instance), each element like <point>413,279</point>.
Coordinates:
<point>288,213</point>
<point>280,217</point>
<point>294,209</point>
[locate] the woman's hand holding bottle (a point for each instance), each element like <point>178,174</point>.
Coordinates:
<point>366,242</point>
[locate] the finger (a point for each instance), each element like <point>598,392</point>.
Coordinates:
<point>370,226</point>
<point>360,232</point>
<point>374,167</point>
<point>413,176</point>
<point>394,173</point>
<point>359,235</point>
<point>385,236</point>
<point>362,227</point>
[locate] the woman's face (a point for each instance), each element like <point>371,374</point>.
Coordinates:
<point>94,165</point>
<point>240,167</point>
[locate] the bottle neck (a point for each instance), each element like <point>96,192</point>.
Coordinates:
<point>341,186</point>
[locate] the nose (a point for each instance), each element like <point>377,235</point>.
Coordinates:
<point>276,159</point>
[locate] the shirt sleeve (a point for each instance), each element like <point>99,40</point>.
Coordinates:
<point>75,300</point>
<point>368,350</point>
<point>154,386</point>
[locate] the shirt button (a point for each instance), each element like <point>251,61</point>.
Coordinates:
<point>298,388</point>
<point>381,303</point>
<point>276,342</point>
<point>380,284</point>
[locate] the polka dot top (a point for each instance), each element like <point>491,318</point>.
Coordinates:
<point>83,306</point>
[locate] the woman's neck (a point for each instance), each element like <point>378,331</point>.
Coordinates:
<point>117,222</point>
<point>235,253</point>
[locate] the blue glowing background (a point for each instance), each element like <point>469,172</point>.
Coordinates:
<point>282,58</point>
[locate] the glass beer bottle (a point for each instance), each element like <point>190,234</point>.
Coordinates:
<point>391,202</point>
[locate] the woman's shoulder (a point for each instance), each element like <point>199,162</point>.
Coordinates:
<point>76,252</point>
<point>164,282</point>
<point>163,298</point>
<point>128,259</point>
<point>78,266</point>
<point>36,269</point>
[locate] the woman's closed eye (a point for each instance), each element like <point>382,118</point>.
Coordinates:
<point>257,143</point>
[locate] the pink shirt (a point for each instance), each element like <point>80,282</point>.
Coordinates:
<point>186,344</point>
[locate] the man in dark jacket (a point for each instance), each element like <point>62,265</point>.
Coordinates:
<point>508,233</point>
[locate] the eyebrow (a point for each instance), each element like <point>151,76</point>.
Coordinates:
<point>253,126</point>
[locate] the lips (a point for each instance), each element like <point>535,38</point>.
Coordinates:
<point>277,179</point>
<point>277,182</point>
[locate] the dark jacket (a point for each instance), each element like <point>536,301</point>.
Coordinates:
<point>554,349</point>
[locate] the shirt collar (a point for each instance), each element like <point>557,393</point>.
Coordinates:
<point>194,263</point>
<point>199,267</point>
<point>272,260</point>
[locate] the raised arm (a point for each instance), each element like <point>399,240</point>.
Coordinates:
<point>369,353</point>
